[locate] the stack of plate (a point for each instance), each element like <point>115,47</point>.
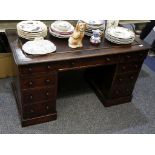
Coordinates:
<point>93,25</point>
<point>61,29</point>
<point>31,29</point>
<point>120,35</point>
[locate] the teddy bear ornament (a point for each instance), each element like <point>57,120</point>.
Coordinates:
<point>96,37</point>
<point>75,39</point>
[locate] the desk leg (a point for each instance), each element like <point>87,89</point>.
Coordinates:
<point>112,86</point>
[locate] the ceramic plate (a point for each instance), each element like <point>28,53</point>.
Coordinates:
<point>94,22</point>
<point>58,35</point>
<point>118,41</point>
<point>120,32</point>
<point>62,26</point>
<point>31,26</point>
<point>38,47</point>
<point>31,29</point>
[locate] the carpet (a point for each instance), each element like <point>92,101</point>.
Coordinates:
<point>150,62</point>
<point>80,111</point>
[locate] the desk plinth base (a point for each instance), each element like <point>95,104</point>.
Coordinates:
<point>38,120</point>
<point>35,120</point>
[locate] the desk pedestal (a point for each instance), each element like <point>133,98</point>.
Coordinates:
<point>114,84</point>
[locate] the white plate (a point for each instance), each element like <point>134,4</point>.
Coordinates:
<point>58,35</point>
<point>94,22</point>
<point>31,26</point>
<point>31,37</point>
<point>96,27</point>
<point>31,29</point>
<point>120,32</point>
<point>38,47</point>
<point>88,34</point>
<point>62,26</point>
<point>118,41</point>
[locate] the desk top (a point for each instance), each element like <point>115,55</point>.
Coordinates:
<point>64,52</point>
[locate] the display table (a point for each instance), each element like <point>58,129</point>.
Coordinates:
<point>111,69</point>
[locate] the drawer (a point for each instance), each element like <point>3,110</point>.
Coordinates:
<point>37,68</point>
<point>42,81</point>
<point>136,56</point>
<point>37,95</point>
<point>125,79</point>
<point>120,92</point>
<point>89,62</point>
<point>37,110</point>
<point>127,67</point>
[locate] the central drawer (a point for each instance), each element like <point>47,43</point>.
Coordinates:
<point>88,62</point>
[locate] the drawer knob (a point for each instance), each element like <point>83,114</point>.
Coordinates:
<point>30,69</point>
<point>47,81</point>
<point>31,97</point>
<point>108,59</point>
<point>136,66</point>
<point>32,111</point>
<point>123,67</point>
<point>47,93</point>
<point>117,92</point>
<point>120,79</point>
<point>131,77</point>
<point>30,83</point>
<point>127,90</point>
<point>128,56</point>
<point>49,67</point>
<point>47,107</point>
<point>73,63</point>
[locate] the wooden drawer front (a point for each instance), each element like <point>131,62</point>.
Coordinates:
<point>38,95</point>
<point>37,68</point>
<point>127,67</point>
<point>133,56</point>
<point>42,81</point>
<point>85,63</point>
<point>37,110</point>
<point>120,92</point>
<point>125,79</point>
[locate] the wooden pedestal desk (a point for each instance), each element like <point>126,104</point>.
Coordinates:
<point>111,70</point>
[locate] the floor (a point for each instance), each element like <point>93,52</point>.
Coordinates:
<point>150,62</point>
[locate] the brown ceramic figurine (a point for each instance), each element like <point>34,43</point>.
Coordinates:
<point>75,39</point>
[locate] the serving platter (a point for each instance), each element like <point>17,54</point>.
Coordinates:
<point>38,47</point>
